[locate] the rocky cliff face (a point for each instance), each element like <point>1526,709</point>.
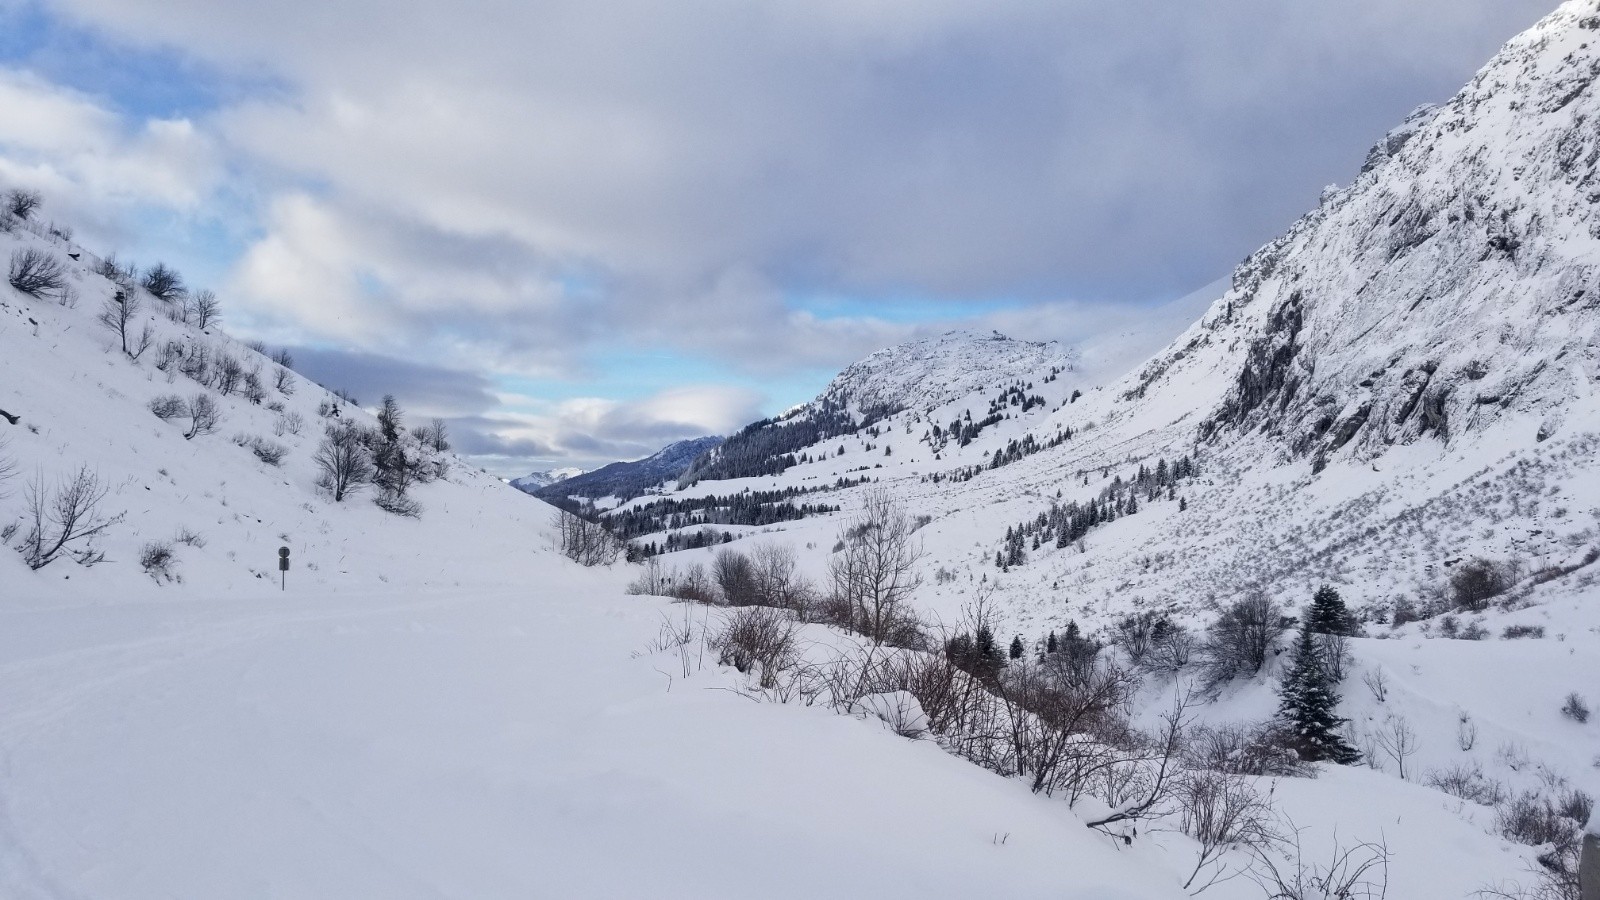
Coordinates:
<point>1457,278</point>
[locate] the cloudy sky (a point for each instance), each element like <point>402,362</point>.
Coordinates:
<point>579,229</point>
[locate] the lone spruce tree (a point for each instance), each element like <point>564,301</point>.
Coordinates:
<point>1309,702</point>
<point>1328,614</point>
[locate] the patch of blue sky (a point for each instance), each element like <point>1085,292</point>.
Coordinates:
<point>137,82</point>
<point>633,376</point>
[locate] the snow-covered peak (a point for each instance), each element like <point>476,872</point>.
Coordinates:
<point>923,374</point>
<point>533,481</point>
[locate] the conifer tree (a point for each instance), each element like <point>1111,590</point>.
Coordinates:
<point>1309,702</point>
<point>1328,614</point>
<point>1050,643</point>
<point>1016,647</point>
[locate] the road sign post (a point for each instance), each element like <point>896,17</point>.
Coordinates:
<point>283,566</point>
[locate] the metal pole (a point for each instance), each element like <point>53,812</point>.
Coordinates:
<point>1589,865</point>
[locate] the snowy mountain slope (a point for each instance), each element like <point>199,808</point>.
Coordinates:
<point>532,482</point>
<point>925,374</point>
<point>1371,388</point>
<point>435,707</point>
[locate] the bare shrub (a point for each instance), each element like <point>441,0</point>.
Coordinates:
<point>1477,582</point>
<point>777,582</point>
<point>168,406</point>
<point>1221,812</point>
<point>65,520</point>
<point>1575,708</point>
<point>204,415</point>
<point>1353,872</point>
<point>736,578</point>
<point>157,560</point>
<point>1378,683</point>
<point>1513,632</point>
<point>289,423</point>
<point>757,640</point>
<point>1466,732</point>
<point>1468,782</point>
<point>23,203</point>
<point>695,586</point>
<point>585,541</point>
<point>269,452</point>
<point>435,436</point>
<point>189,538</point>
<point>1536,819</point>
<point>283,381</point>
<point>253,389</point>
<point>163,283</point>
<point>653,581</point>
<point>1265,748</point>
<point>1241,639</point>
<point>228,373</point>
<point>1135,635</point>
<point>37,273</point>
<point>398,502</point>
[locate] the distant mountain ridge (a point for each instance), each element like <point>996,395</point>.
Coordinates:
<point>626,480</point>
<point>916,377</point>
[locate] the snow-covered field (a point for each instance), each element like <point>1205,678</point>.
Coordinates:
<point>474,744</point>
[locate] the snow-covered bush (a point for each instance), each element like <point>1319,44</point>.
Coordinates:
<point>1575,708</point>
<point>269,452</point>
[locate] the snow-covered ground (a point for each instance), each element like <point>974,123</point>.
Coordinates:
<point>439,743</point>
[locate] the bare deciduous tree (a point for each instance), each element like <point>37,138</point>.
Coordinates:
<point>342,461</point>
<point>875,575</point>
<point>1398,739</point>
<point>64,520</point>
